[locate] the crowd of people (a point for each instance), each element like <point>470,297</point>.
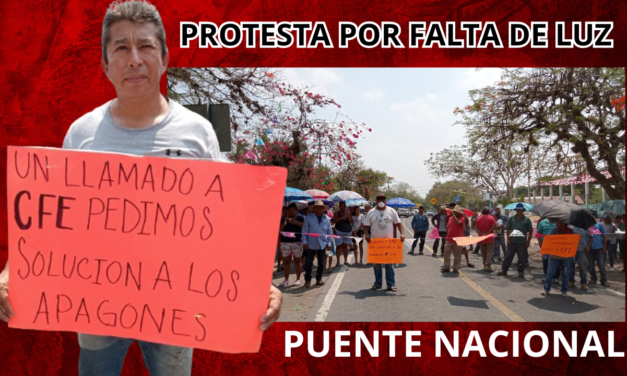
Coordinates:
<point>511,239</point>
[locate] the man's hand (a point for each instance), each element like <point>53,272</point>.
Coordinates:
<point>305,247</point>
<point>274,308</point>
<point>587,250</point>
<point>368,238</point>
<point>509,242</point>
<point>402,237</point>
<point>6,311</point>
<point>527,244</point>
<point>604,251</point>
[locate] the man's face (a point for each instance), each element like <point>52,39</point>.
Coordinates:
<point>134,64</point>
<point>357,211</point>
<point>519,212</point>
<point>367,208</point>
<point>291,212</point>
<point>498,211</point>
<point>607,221</point>
<point>318,210</point>
<point>379,200</point>
<point>342,207</point>
<point>421,211</point>
<point>442,211</point>
<point>561,226</point>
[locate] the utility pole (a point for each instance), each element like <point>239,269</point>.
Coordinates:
<point>528,176</point>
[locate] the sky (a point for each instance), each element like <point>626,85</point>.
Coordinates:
<point>410,111</point>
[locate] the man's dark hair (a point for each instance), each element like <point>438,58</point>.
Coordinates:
<point>292,205</point>
<point>137,11</point>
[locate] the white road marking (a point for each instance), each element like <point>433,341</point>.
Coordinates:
<point>328,300</point>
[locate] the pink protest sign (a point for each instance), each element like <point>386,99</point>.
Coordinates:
<point>435,234</point>
<point>141,247</point>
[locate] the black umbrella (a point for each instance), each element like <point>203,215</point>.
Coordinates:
<point>542,208</point>
<point>572,214</point>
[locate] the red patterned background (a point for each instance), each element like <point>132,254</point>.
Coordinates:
<point>50,75</point>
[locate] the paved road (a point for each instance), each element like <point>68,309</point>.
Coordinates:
<point>425,294</point>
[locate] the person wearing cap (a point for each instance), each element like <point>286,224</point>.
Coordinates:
<point>455,228</point>
<point>485,226</point>
<point>420,225</point>
<point>316,246</point>
<point>439,222</point>
<point>596,251</point>
<point>610,229</point>
<point>502,244</point>
<point>380,223</point>
<point>563,264</point>
<point>517,245</point>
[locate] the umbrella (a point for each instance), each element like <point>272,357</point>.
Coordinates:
<point>542,207</point>
<point>316,193</point>
<point>293,194</point>
<point>344,195</point>
<point>512,206</point>
<point>572,214</point>
<point>356,202</point>
<point>466,211</point>
<point>400,202</point>
<point>613,206</point>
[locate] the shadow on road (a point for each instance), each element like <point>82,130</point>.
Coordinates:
<point>466,303</point>
<point>559,304</point>
<point>369,293</point>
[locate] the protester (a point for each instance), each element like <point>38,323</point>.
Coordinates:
<point>498,239</point>
<point>564,264</point>
<point>517,245</point>
<point>503,243</point>
<point>610,229</point>
<point>473,219</point>
<point>380,223</point>
<point>358,225</point>
<point>367,209</point>
<point>545,226</point>
<point>467,233</point>
<point>343,222</point>
<point>580,259</point>
<point>455,228</point>
<point>620,251</point>
<point>292,246</point>
<point>439,223</point>
<point>596,250</point>
<point>138,121</point>
<point>279,255</point>
<point>420,225</point>
<point>315,247</point>
<point>485,226</point>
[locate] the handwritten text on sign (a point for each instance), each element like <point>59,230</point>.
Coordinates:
<point>560,245</point>
<point>385,251</point>
<point>141,247</point>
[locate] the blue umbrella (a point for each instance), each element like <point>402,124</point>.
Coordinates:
<point>512,206</point>
<point>344,195</point>
<point>293,194</point>
<point>613,206</point>
<point>400,202</point>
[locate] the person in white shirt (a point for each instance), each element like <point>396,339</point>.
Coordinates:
<point>380,223</point>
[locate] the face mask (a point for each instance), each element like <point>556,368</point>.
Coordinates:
<point>381,204</point>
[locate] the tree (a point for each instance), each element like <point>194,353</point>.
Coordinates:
<point>571,109</point>
<point>443,192</point>
<point>404,190</point>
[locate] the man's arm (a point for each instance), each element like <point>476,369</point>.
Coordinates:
<point>274,308</point>
<point>294,222</point>
<point>305,237</point>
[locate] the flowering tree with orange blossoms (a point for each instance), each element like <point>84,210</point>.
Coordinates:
<point>570,110</point>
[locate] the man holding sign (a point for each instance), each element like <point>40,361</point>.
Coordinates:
<point>139,121</point>
<point>380,223</point>
<point>563,263</point>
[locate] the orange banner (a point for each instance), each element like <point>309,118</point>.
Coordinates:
<point>468,240</point>
<point>385,251</point>
<point>560,245</point>
<point>142,247</point>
